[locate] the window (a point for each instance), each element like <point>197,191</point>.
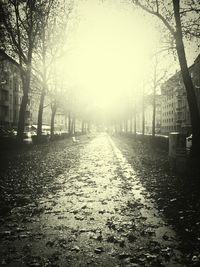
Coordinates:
<point>5,95</point>
<point>5,111</point>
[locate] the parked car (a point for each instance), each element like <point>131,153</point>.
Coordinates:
<point>46,132</point>
<point>29,134</point>
<point>6,133</point>
<point>14,132</point>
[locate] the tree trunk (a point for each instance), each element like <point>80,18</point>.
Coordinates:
<point>83,127</point>
<point>22,112</point>
<point>131,123</point>
<point>190,90</point>
<point>74,125</point>
<point>143,123</point>
<point>135,123</point>
<point>143,114</point>
<point>42,96</point>
<point>154,97</point>
<point>40,113</point>
<point>22,117</point>
<point>66,122</point>
<point>69,123</point>
<point>54,109</point>
<point>154,112</point>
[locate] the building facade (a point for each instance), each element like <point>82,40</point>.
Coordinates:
<point>148,116</point>
<point>10,94</point>
<point>60,121</point>
<point>174,108</point>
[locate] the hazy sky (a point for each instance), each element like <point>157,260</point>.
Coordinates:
<point>112,48</point>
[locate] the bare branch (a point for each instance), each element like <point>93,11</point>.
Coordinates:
<point>157,14</point>
<point>11,33</point>
<point>157,6</point>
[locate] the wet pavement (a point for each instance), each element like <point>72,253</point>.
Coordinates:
<point>94,212</point>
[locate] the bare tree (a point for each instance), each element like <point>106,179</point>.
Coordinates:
<point>54,107</point>
<point>21,24</point>
<point>50,48</point>
<point>42,49</point>
<point>135,119</point>
<point>143,110</point>
<point>174,18</point>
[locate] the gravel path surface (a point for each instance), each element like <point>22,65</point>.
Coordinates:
<point>90,209</point>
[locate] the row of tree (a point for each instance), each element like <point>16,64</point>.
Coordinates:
<point>33,34</point>
<point>33,37</point>
<point>179,22</point>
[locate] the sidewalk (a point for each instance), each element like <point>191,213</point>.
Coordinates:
<point>177,197</point>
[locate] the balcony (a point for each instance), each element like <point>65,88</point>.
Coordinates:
<point>3,82</point>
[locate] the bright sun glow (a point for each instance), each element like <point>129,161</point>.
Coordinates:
<point>111,52</point>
